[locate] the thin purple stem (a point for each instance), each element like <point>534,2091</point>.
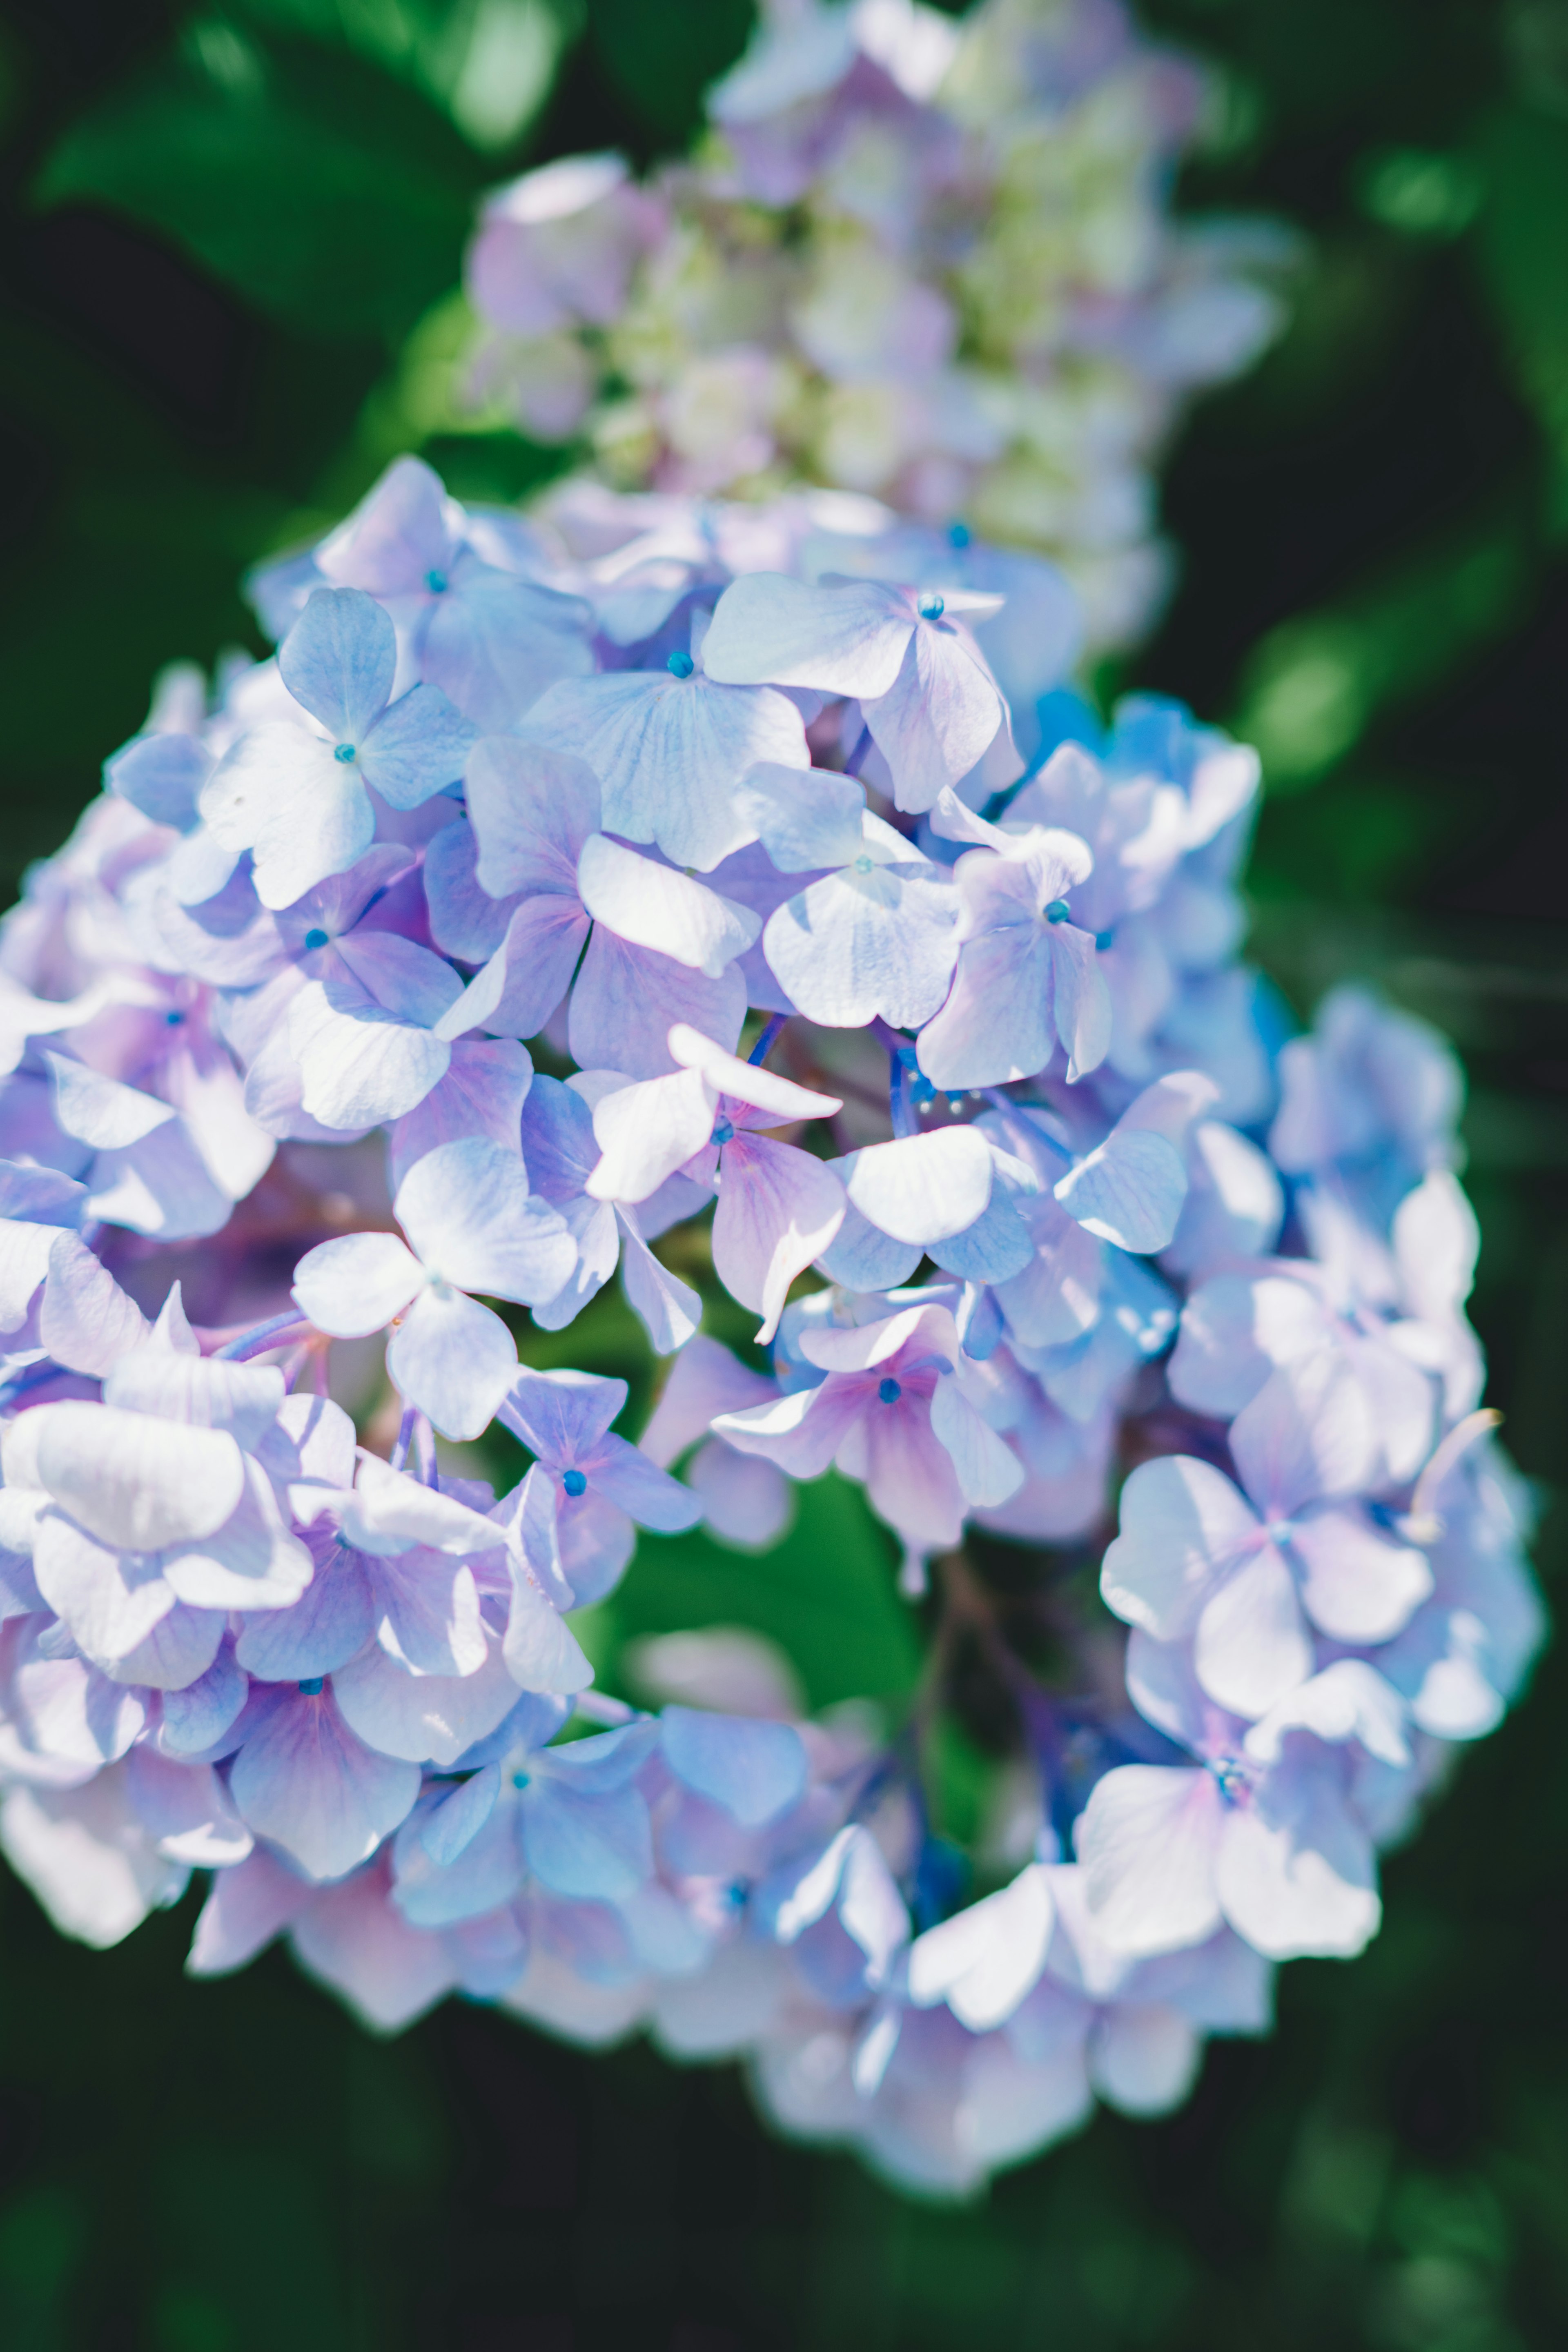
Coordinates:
<point>265,1336</point>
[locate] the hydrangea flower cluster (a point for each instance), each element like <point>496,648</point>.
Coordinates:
<point>925,260</point>
<point>1004,1148</point>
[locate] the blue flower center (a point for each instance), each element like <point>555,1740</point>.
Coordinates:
<point>723,1132</point>
<point>316,937</point>
<point>890,1391</point>
<point>958,534</point>
<point>1103,940</point>
<point>1058,912</point>
<point>311,1688</point>
<point>574,1482</point>
<point>520,1779</point>
<point>862,864</point>
<point>437,582</point>
<point>173,1020</point>
<point>345,752</point>
<point>931,608</point>
<point>681,665</point>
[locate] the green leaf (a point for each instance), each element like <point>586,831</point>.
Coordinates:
<point>487,64</point>
<point>825,1594</point>
<point>327,194</point>
<point>1521,238</point>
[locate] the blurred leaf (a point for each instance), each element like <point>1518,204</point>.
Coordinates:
<point>1419,192</point>
<point>333,197</point>
<point>1313,686</point>
<point>487,64</point>
<point>1522,241</point>
<point>662,57</point>
<point>825,1593</point>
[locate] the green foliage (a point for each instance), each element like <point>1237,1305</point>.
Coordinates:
<point>825,1594</point>
<point>243,156</point>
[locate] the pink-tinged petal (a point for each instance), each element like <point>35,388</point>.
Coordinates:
<point>626,1000</point>
<point>922,1188</point>
<point>186,1809</point>
<point>1147,1842</point>
<point>248,1905</point>
<point>532,808</point>
<point>645,1132</point>
<point>1348,1701</point>
<point>802,1432</point>
<point>1297,1875</point>
<point>87,1322</point>
<point>390,1512</point>
<point>330,1623</point>
<point>778,1211</point>
<point>855,1347</point>
<point>454,1360</point>
<point>936,720</point>
<point>1184,1527</point>
<point>181,1648</point>
<point>598,1540</point>
<point>1144,2058</point>
<point>254,1561</point>
<point>359,1070</point>
<point>426,1718</point>
<point>304,1780</point>
<point>134,1482</point>
<point>483,1093</point>
<point>653,906</point>
<point>847,638</point>
<point>1252,1644</point>
<point>466,1210</point>
<point>356,1285</point>
<point>910,1476</point>
<point>427,1611</point>
<point>988,1472</point>
<point>1361,1585</point>
<point>704,1379</point>
<point>533,965</point>
<point>542,1652</point>
<point>23,1262</point>
<point>1305,1436</point>
<point>354,1939</point>
<point>747,1503</point>
<point>87,1859</point>
<point>746,1082</point>
<point>68,1712</point>
<point>201,1390</point>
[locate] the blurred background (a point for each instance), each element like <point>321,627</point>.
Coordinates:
<point>220,227</point>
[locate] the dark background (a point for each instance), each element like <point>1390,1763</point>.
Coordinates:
<point>217,228</point>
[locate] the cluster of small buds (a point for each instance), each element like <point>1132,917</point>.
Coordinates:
<point>918,259</point>
<point>829,908</point>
